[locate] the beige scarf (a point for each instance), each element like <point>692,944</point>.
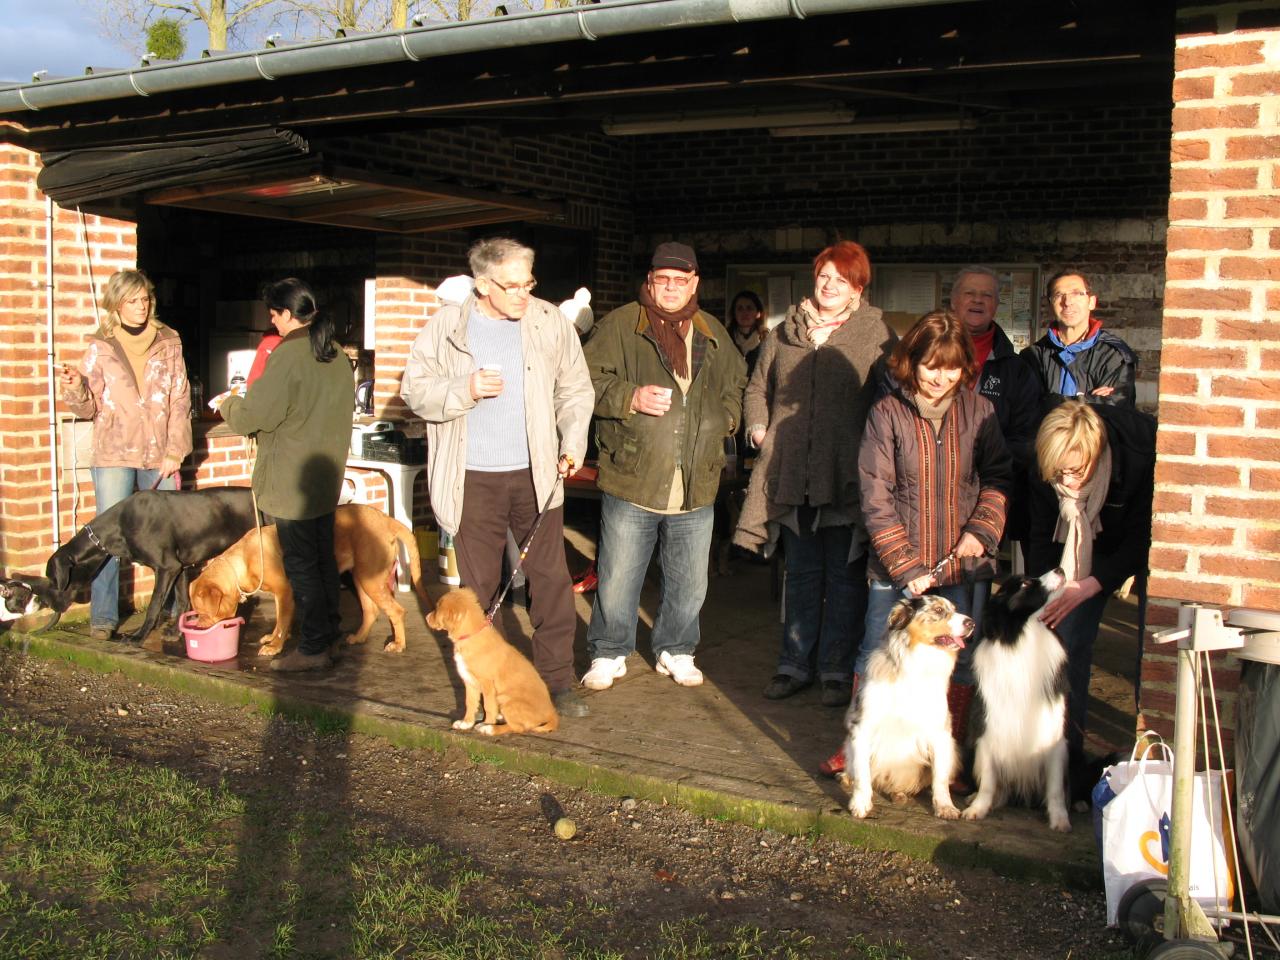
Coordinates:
<point>1078,517</point>
<point>746,342</point>
<point>135,348</point>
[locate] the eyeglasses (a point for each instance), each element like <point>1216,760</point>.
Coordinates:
<point>830,279</point>
<point>1072,473</point>
<point>510,289</point>
<point>1068,295</point>
<point>676,283</point>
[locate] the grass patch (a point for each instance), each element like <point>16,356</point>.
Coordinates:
<point>102,857</point>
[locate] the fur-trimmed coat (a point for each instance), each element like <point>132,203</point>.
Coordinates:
<point>813,403</point>
<point>135,424</point>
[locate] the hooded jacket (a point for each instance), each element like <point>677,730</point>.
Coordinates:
<point>135,424</point>
<point>557,400</point>
<point>639,454</point>
<point>921,490</point>
<point>299,411</point>
<point>813,403</point>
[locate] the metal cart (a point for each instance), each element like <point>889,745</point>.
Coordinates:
<point>1159,916</point>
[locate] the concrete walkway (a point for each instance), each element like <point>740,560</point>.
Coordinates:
<point>719,748</point>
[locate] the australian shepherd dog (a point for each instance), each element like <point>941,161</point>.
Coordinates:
<point>1020,667</point>
<point>899,729</point>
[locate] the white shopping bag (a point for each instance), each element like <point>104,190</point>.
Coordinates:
<point>1136,829</point>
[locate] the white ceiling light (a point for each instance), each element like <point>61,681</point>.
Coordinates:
<point>773,118</point>
<point>924,125</point>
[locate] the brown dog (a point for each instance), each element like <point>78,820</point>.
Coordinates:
<point>493,669</point>
<point>364,542</point>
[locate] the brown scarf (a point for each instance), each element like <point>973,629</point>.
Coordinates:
<point>670,329</point>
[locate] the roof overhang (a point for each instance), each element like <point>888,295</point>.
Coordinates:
<point>315,192</point>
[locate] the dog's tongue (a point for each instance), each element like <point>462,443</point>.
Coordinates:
<point>952,641</point>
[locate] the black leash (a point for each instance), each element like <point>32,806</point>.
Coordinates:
<point>524,551</point>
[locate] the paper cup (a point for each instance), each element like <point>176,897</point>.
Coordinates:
<point>665,391</point>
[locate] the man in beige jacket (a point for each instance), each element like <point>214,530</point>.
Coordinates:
<point>502,384</point>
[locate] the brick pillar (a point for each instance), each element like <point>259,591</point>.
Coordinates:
<point>86,252</point>
<point>1216,531</point>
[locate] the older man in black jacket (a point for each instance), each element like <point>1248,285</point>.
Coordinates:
<point>1006,380</point>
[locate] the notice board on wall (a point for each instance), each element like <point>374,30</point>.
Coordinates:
<point>904,291</point>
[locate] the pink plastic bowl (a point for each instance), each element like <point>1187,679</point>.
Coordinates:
<point>212,644</point>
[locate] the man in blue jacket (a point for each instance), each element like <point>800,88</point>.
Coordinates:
<point>1077,358</point>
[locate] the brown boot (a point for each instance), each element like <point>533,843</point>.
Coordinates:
<point>959,700</point>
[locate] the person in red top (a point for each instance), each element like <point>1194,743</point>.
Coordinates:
<point>268,343</point>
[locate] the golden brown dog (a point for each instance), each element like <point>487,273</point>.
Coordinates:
<point>493,669</point>
<point>364,542</point>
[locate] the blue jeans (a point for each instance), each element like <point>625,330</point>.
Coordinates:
<point>880,600</point>
<point>110,486</point>
<point>627,537</point>
<point>1077,631</point>
<point>824,605</point>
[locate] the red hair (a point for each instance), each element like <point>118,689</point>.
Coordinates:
<point>850,260</point>
<point>937,339</point>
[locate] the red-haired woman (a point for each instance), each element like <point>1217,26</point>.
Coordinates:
<point>805,407</point>
<point>935,475</point>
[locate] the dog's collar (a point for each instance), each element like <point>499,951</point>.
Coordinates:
<point>93,537</point>
<point>488,622</point>
<point>235,575</point>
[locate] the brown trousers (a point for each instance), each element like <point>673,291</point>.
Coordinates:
<point>492,502</point>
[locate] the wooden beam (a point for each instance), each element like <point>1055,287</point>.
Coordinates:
<point>478,218</point>
<point>248,181</point>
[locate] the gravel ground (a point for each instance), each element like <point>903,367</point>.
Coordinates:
<point>654,863</point>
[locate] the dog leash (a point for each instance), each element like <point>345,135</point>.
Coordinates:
<point>938,568</point>
<point>524,550</point>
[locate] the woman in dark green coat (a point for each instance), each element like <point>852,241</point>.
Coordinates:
<point>299,411</point>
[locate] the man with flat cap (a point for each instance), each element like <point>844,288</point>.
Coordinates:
<point>668,383</point>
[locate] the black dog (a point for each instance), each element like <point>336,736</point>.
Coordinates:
<point>167,530</point>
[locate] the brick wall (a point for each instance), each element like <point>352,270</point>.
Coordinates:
<point>1216,532</point>
<point>1086,188</point>
<point>86,251</point>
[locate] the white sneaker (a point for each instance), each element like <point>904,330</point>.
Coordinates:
<point>604,670</point>
<point>679,667</point>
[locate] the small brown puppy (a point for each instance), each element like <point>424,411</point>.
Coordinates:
<point>493,669</point>
<point>364,542</point>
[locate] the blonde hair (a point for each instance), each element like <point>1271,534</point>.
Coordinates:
<point>124,285</point>
<point>1072,427</point>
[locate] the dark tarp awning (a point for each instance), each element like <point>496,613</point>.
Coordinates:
<point>78,176</point>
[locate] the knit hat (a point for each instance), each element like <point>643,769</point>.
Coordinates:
<point>674,256</point>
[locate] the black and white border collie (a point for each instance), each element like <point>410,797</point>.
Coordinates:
<point>22,596</point>
<point>1019,719</point>
<point>899,729</point>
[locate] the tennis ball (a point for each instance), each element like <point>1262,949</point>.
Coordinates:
<point>565,828</point>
